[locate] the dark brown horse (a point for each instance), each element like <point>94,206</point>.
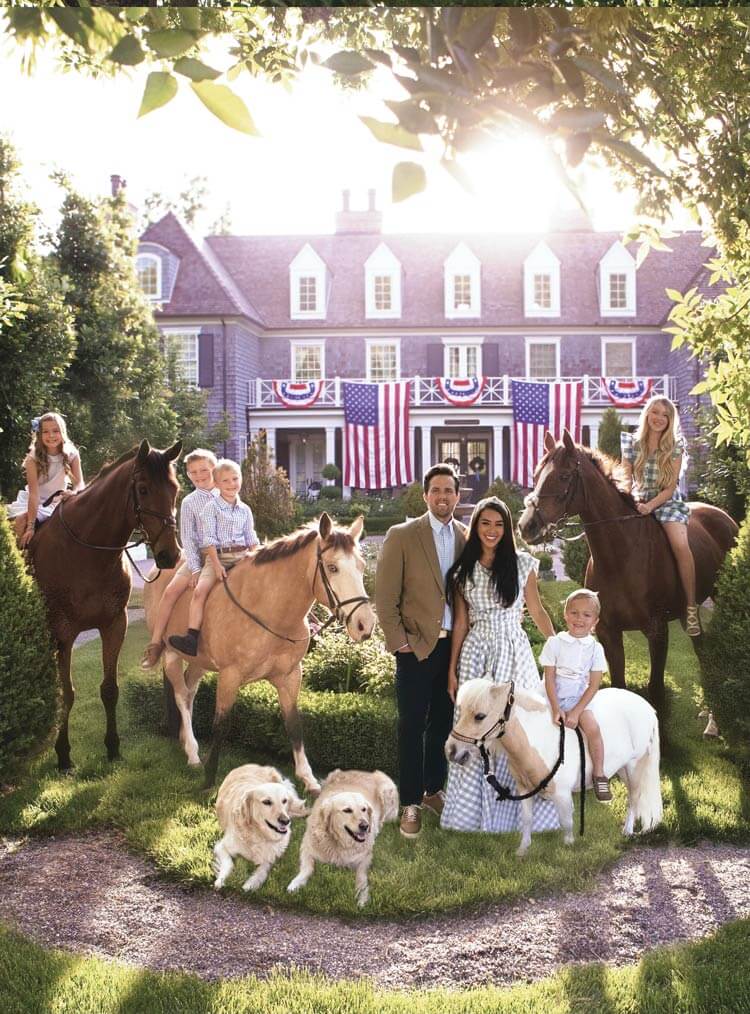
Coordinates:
<point>631,565</point>
<point>78,563</point>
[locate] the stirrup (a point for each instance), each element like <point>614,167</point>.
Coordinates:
<point>692,622</point>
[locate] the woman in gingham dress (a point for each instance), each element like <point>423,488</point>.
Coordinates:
<point>490,582</point>
<point>652,459</point>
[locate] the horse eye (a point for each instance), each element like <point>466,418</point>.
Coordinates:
<point>332,568</point>
<point>143,490</point>
<point>480,716</point>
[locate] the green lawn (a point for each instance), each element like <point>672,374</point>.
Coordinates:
<point>157,802</point>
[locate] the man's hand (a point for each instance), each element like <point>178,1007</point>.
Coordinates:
<point>571,719</point>
<point>220,572</point>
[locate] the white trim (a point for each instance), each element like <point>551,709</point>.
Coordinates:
<point>541,261</point>
<point>296,343</point>
<point>382,262</point>
<point>147,255</point>
<point>528,342</point>
<point>462,261</point>
<point>188,332</point>
<point>618,340</point>
<point>307,264</point>
<point>617,261</point>
<point>369,343</point>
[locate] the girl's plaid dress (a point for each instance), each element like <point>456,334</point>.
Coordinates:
<point>496,648</point>
<point>674,509</point>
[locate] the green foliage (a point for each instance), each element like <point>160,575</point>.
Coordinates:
<point>725,657</point>
<point>189,204</point>
<point>266,489</point>
<point>545,561</point>
<point>330,471</point>
<point>610,428</point>
<point>575,559</point>
<point>510,494</point>
<point>330,493</point>
<point>337,663</point>
<point>721,471</point>
<point>28,673</point>
<point>411,501</point>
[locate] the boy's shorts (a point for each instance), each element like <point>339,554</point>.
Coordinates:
<point>226,559</point>
<point>569,692</point>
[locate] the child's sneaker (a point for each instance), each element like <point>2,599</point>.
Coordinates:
<point>187,644</point>
<point>602,790</point>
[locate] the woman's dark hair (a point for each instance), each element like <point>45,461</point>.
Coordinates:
<point>504,572</point>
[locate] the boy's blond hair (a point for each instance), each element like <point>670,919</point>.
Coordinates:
<point>200,454</point>
<point>583,593</point>
<point>226,465</point>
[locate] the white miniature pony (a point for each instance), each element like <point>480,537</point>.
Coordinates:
<point>499,717</point>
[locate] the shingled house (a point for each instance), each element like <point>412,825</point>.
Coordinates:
<point>254,318</point>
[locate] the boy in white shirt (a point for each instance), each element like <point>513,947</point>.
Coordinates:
<point>574,663</point>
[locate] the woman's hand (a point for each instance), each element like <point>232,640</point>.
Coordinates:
<point>26,537</point>
<point>452,684</point>
<point>193,580</point>
<point>65,494</point>
<point>644,508</point>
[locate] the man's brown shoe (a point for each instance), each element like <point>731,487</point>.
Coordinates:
<point>411,821</point>
<point>435,801</point>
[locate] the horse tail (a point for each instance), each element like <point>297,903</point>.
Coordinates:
<point>645,783</point>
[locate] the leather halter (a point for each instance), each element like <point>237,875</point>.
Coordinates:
<point>500,724</point>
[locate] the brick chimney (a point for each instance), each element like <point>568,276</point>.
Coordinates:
<point>348,221</point>
<point>117,183</point>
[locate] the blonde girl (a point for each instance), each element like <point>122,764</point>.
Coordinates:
<point>52,465</point>
<point>652,459</point>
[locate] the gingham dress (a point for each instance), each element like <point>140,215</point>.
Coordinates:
<point>496,648</point>
<point>674,509</point>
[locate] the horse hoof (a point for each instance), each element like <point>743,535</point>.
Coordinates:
<point>712,729</point>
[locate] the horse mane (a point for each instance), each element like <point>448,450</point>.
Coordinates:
<point>155,464</point>
<point>288,545</point>
<point>612,471</point>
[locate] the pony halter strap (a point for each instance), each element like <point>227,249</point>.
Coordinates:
<point>479,741</point>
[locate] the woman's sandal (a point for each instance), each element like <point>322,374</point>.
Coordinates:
<point>602,790</point>
<point>692,622</point>
<point>152,654</point>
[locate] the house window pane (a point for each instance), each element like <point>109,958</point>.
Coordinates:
<point>383,297</point>
<point>454,361</point>
<point>542,360</point>
<point>542,292</point>
<point>472,359</point>
<point>308,362</point>
<point>618,359</point>
<point>383,364</point>
<point>148,276</point>
<point>462,292</point>
<point>184,347</point>
<point>308,293</point>
<point>618,291</point>
<point>463,360</point>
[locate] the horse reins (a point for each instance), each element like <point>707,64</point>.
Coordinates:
<point>335,604</point>
<point>503,792</point>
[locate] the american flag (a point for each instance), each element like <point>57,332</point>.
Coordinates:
<point>376,435</point>
<point>537,408</point>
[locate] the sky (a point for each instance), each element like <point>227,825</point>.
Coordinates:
<point>287,181</point>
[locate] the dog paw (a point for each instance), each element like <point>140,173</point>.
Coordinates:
<point>295,885</point>
<point>253,883</point>
<point>219,883</point>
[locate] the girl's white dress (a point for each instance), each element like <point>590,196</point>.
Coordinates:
<point>55,480</point>
<point>496,648</point>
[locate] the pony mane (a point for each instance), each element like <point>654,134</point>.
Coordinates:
<point>288,545</point>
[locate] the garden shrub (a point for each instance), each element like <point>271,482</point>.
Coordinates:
<point>510,494</point>
<point>266,489</point>
<point>575,559</point>
<point>610,428</point>
<point>337,663</point>
<point>29,688</point>
<point>725,653</point>
<point>330,493</point>
<point>412,502</point>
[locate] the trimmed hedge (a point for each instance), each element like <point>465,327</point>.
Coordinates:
<point>29,688</point>
<point>338,664</point>
<point>340,730</point>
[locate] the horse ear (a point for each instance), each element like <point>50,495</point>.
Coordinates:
<point>568,442</point>
<point>174,451</point>
<point>143,452</point>
<point>549,441</point>
<point>355,529</point>
<point>324,525</point>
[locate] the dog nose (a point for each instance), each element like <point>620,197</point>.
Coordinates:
<point>364,826</point>
<point>284,821</point>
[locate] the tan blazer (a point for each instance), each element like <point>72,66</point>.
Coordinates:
<point>409,588</point>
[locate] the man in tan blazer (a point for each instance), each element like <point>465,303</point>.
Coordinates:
<point>416,619</point>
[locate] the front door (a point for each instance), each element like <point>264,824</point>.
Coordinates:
<point>469,455</point>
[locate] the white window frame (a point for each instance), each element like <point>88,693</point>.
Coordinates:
<point>169,333</point>
<point>157,298</point>
<point>462,261</point>
<point>370,343</point>
<point>618,340</point>
<point>296,343</point>
<point>541,261</point>
<point>541,341</point>
<point>307,264</point>
<point>382,261</point>
<point>462,342</point>
<point>617,261</point>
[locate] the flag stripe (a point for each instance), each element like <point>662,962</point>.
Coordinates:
<point>536,409</point>
<point>376,435</point>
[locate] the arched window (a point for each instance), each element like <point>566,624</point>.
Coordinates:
<point>148,267</point>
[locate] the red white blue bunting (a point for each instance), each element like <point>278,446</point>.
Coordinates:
<point>461,391</point>
<point>628,393</point>
<point>297,393</point>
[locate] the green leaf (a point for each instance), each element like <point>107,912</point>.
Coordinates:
<point>677,342</point>
<point>71,22</point>
<point>628,151</point>
<point>601,74</point>
<point>348,62</point>
<point>188,66</point>
<point>190,18</point>
<point>476,35</point>
<point>573,78</point>
<point>524,27</point>
<point>643,251</point>
<point>392,133</point>
<point>25,21</point>
<point>413,118</point>
<point>227,106</point>
<point>701,388</point>
<point>578,118</point>
<point>674,295</point>
<point>161,88</point>
<point>127,52</point>
<point>135,13</point>
<point>408,179</point>
<point>170,42</point>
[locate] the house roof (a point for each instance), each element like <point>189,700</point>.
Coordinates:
<point>253,272</point>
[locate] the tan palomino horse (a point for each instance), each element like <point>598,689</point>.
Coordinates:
<point>278,585</point>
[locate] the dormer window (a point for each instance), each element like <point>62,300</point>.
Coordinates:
<point>148,268</point>
<point>541,283</point>
<point>617,278</point>
<point>307,285</point>
<point>462,283</point>
<point>382,284</point>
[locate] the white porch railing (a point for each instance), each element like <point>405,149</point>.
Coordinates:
<point>426,391</point>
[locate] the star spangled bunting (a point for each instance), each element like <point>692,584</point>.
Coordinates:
<point>376,435</point>
<point>628,393</point>
<point>461,391</point>
<point>297,393</point>
<point>536,409</point>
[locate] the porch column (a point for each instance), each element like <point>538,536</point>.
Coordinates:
<point>330,445</point>
<point>413,450</point>
<point>426,446</point>
<point>594,434</point>
<point>497,453</point>
<point>271,443</point>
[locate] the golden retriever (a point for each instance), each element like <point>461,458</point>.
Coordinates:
<point>344,823</point>
<point>255,806</point>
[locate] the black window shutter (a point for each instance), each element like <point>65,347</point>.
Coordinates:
<point>206,360</point>
<point>491,360</point>
<point>434,361</point>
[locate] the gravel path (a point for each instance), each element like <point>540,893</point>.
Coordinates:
<point>90,895</point>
